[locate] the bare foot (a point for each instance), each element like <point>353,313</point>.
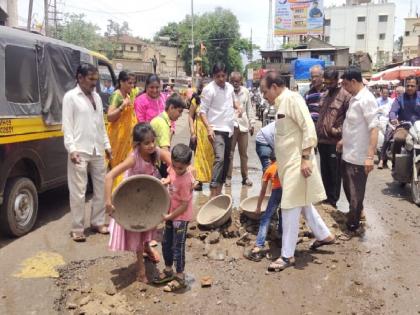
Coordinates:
<point>153,254</point>
<point>142,278</point>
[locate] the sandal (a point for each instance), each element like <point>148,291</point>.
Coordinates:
<point>164,277</point>
<point>78,236</point>
<point>255,255</point>
<point>281,264</point>
<point>175,285</point>
<point>318,244</point>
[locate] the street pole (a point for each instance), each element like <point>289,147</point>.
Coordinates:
<point>31,4</point>
<point>176,60</point>
<point>192,43</point>
<point>46,17</point>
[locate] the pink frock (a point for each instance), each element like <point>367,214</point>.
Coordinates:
<point>121,239</point>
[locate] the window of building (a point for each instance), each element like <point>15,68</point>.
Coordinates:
<point>131,48</point>
<point>327,22</point>
<point>383,18</point>
<point>382,36</point>
<point>21,74</point>
<point>360,36</point>
<point>327,39</point>
<point>361,19</point>
<point>407,33</point>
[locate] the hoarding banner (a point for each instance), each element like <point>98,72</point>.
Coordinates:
<point>298,17</point>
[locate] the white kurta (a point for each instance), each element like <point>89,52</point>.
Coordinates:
<point>295,131</point>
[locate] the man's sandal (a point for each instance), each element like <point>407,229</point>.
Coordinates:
<point>318,244</point>
<point>175,285</point>
<point>164,277</point>
<point>78,236</point>
<point>281,264</point>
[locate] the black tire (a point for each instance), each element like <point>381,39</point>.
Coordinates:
<point>20,192</point>
<point>415,192</point>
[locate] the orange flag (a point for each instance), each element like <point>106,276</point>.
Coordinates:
<point>203,49</point>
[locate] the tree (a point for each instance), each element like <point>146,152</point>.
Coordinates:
<point>77,31</point>
<point>218,31</point>
<point>117,30</point>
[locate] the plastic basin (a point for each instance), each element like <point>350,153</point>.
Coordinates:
<point>139,203</point>
<point>249,205</point>
<point>215,212</point>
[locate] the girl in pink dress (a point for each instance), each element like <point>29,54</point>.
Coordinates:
<point>142,160</point>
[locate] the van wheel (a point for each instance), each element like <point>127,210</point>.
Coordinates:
<point>20,207</point>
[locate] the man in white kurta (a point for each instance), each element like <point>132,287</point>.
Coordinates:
<point>295,140</point>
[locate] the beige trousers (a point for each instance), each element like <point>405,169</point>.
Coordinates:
<point>77,178</point>
<point>240,138</point>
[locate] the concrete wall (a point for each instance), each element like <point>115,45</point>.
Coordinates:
<point>411,37</point>
<point>346,25</point>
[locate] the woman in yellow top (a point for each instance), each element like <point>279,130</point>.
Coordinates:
<point>122,119</point>
<point>204,153</point>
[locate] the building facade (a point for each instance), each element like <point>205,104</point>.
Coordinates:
<point>411,38</point>
<point>8,13</point>
<point>136,55</point>
<point>364,27</point>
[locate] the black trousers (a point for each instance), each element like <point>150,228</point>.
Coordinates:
<point>354,184</point>
<point>221,146</point>
<point>330,171</point>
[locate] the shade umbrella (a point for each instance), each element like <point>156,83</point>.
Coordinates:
<point>383,82</point>
<point>397,73</point>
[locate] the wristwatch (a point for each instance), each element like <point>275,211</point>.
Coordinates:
<point>306,157</point>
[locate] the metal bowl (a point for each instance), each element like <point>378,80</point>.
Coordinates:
<point>249,205</point>
<point>215,212</point>
<point>139,203</point>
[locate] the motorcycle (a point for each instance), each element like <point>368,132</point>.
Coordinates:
<point>407,163</point>
<point>269,115</point>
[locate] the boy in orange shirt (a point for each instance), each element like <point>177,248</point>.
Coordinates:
<point>273,204</point>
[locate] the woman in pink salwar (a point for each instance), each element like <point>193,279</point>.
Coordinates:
<point>142,160</point>
<point>151,103</point>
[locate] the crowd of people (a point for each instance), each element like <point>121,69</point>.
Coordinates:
<point>339,118</point>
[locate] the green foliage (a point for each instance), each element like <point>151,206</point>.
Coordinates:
<point>77,31</point>
<point>117,30</point>
<point>218,31</point>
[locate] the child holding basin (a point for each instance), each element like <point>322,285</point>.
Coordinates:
<point>180,183</point>
<point>143,160</point>
<point>270,175</point>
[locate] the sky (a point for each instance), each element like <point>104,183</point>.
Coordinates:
<point>145,18</point>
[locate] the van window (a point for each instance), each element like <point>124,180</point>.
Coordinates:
<point>21,75</point>
<point>106,83</point>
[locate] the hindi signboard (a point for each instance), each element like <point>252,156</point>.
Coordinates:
<point>298,17</point>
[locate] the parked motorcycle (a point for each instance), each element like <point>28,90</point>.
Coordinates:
<point>407,163</point>
<point>269,115</point>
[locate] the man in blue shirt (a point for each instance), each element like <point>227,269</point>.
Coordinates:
<point>405,108</point>
<point>315,12</point>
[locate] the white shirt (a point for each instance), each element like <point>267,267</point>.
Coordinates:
<point>361,117</point>
<point>82,125</point>
<point>217,104</point>
<point>247,119</point>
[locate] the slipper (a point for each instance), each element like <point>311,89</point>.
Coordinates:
<point>318,244</point>
<point>281,264</point>
<point>164,277</point>
<point>78,236</point>
<point>255,256</point>
<point>175,285</point>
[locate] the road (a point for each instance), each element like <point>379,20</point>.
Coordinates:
<point>377,273</point>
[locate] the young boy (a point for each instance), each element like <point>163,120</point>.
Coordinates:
<point>180,183</point>
<point>162,125</point>
<point>273,203</point>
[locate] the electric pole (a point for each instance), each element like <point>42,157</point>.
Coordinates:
<point>192,43</point>
<point>46,17</point>
<point>31,4</point>
<point>270,26</point>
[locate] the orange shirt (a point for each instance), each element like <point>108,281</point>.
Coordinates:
<point>271,175</point>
